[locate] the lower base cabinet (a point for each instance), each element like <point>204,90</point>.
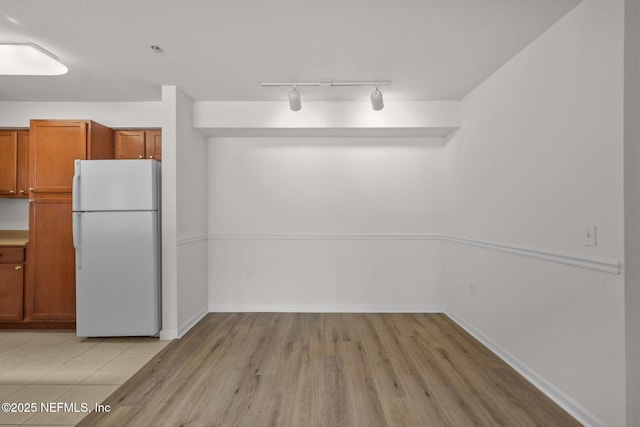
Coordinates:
<point>11,283</point>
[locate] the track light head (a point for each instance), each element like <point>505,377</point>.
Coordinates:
<point>294,99</point>
<point>377,103</point>
<point>295,103</point>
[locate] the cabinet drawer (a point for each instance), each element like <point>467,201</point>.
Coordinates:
<point>11,255</point>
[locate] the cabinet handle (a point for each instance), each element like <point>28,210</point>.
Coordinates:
<point>12,191</point>
<point>140,156</point>
<point>22,191</point>
<point>151,157</point>
<point>18,267</point>
<point>31,188</point>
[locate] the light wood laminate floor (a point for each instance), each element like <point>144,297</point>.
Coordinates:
<point>289,369</point>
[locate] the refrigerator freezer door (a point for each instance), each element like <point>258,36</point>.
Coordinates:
<point>116,185</point>
<point>117,284</point>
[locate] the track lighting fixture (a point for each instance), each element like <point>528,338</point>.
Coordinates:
<point>295,103</point>
<point>294,99</point>
<point>377,103</point>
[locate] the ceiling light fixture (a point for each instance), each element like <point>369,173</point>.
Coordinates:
<point>294,99</point>
<point>28,59</point>
<point>295,103</point>
<point>377,103</point>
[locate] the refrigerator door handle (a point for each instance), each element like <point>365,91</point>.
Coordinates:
<point>75,187</point>
<point>77,239</point>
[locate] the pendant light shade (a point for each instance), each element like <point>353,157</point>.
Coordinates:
<point>377,103</point>
<point>294,100</point>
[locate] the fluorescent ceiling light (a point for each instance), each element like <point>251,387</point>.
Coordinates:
<point>28,60</point>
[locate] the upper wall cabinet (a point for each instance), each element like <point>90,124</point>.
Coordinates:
<point>13,163</point>
<point>55,144</point>
<point>138,144</point>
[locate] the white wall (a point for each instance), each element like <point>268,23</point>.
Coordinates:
<point>538,157</point>
<point>169,214</point>
<point>191,217</point>
<point>632,206</point>
<point>14,214</point>
<point>324,223</point>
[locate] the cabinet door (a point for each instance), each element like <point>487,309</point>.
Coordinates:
<point>23,163</point>
<point>11,291</point>
<point>129,144</point>
<point>53,146</point>
<point>51,284</point>
<point>8,162</point>
<point>154,145</point>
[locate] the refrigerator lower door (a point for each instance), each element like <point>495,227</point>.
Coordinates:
<point>118,281</point>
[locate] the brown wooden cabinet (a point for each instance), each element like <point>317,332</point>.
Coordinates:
<point>13,163</point>
<point>54,145</point>
<point>154,144</point>
<point>8,162</point>
<point>138,144</point>
<point>11,283</point>
<point>23,164</point>
<point>51,290</point>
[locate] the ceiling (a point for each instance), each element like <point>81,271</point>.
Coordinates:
<point>220,50</point>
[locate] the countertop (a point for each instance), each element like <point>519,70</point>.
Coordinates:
<point>14,237</point>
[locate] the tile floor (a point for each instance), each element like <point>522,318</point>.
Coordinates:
<point>58,368</point>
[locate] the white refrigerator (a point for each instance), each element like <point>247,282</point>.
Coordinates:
<point>116,234</point>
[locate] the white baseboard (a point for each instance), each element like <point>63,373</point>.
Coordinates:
<point>325,309</point>
<point>191,322</point>
<point>565,402</point>
<point>168,334</point>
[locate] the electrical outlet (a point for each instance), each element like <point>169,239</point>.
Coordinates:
<point>589,236</point>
